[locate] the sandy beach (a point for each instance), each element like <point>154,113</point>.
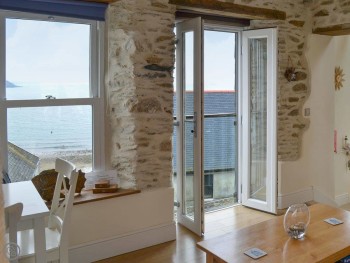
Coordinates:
<point>81,159</point>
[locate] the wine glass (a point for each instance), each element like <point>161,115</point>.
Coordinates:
<point>296,220</point>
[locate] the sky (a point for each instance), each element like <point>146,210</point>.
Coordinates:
<point>46,52</point>
<point>52,52</point>
<point>219,60</point>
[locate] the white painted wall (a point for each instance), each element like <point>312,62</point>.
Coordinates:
<point>342,119</point>
<point>319,166</point>
<point>313,171</point>
<point>114,226</point>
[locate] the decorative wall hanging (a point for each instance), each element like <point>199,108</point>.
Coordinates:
<point>290,73</point>
<point>338,78</point>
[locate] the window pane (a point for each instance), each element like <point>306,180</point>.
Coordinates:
<point>188,126</point>
<point>47,59</point>
<point>39,135</point>
<point>219,137</point>
<point>258,117</point>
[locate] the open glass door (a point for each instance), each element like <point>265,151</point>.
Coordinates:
<point>259,142</point>
<point>189,96</point>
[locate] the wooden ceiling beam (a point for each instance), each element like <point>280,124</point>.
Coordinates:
<point>99,1</point>
<point>229,9</point>
<point>336,30</point>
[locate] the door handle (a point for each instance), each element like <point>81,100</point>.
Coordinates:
<point>194,131</point>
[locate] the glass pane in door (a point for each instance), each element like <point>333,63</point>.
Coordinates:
<point>258,117</point>
<point>189,127</point>
<point>219,137</point>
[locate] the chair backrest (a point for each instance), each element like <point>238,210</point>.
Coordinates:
<point>13,214</point>
<point>60,211</point>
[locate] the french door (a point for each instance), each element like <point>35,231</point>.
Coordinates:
<point>258,151</point>
<point>257,130</point>
<point>189,96</point>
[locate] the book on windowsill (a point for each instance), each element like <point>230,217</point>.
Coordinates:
<point>111,189</point>
<point>102,184</point>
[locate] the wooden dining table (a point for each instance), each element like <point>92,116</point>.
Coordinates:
<point>323,242</point>
<point>33,215</point>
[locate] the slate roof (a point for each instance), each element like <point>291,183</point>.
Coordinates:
<point>220,133</point>
<point>22,164</point>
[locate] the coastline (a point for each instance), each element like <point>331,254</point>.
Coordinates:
<point>81,159</point>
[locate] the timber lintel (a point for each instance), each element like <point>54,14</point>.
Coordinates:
<point>225,8</point>
<point>336,30</point>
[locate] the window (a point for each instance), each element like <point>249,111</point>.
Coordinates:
<point>51,97</point>
<point>208,185</point>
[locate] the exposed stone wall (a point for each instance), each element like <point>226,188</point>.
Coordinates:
<point>291,95</point>
<point>139,91</point>
<point>328,13</point>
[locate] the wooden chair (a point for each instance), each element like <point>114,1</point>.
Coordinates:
<point>12,216</point>
<point>57,232</point>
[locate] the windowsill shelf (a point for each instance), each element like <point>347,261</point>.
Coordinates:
<point>87,196</point>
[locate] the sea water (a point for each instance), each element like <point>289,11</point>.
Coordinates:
<point>41,130</point>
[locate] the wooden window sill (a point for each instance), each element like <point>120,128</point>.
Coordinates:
<point>87,196</point>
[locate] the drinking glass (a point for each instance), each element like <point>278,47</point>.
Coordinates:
<point>296,220</point>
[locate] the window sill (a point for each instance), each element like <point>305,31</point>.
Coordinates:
<point>87,196</point>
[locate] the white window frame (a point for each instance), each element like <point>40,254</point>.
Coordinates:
<point>96,99</point>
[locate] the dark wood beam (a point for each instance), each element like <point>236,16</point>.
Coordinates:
<point>229,9</point>
<point>336,30</point>
<point>216,18</point>
<point>99,1</point>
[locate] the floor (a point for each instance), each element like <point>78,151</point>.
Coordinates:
<point>183,250</point>
<point>346,207</point>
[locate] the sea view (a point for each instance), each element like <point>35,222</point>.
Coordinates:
<point>49,132</point>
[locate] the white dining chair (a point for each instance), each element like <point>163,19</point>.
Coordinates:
<point>57,232</point>
<point>12,216</point>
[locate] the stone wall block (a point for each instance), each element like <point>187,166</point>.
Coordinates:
<point>141,35</point>
<point>149,105</point>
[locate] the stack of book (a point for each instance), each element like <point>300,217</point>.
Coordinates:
<point>104,186</point>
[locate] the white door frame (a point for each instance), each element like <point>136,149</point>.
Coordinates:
<point>195,224</point>
<point>244,132</point>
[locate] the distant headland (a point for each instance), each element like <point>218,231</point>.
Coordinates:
<point>10,85</point>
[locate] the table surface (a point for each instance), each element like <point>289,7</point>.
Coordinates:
<point>322,243</point>
<point>26,193</point>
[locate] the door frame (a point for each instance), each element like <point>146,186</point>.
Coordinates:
<point>196,224</point>
<point>271,197</point>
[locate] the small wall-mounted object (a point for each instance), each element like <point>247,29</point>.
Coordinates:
<point>346,145</point>
<point>338,78</point>
<point>335,136</point>
<point>307,112</point>
<point>290,73</point>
